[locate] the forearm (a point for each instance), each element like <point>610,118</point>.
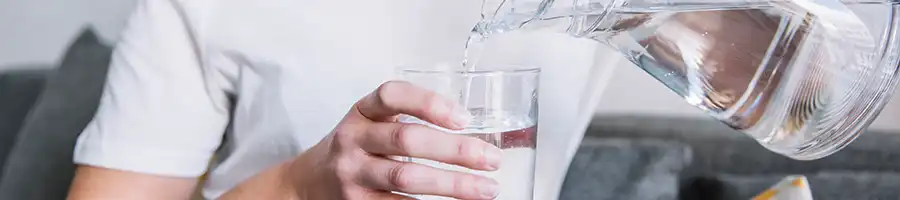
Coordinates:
<point>269,184</point>
<point>101,183</point>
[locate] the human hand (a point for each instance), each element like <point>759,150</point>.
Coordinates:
<point>352,162</point>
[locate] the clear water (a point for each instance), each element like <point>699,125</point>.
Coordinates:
<point>516,136</point>
<point>757,67</point>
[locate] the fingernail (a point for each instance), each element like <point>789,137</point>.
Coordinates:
<point>488,189</point>
<point>460,116</point>
<point>493,157</point>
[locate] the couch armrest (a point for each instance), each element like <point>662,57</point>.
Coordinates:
<point>19,90</point>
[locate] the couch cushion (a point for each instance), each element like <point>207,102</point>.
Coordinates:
<point>727,164</point>
<point>19,90</point>
<point>40,164</point>
<point>618,169</point>
<point>720,149</point>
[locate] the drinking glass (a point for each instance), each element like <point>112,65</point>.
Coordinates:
<point>504,107</point>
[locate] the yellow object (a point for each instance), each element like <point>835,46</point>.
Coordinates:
<point>798,182</point>
<point>766,195</point>
<point>789,188</point>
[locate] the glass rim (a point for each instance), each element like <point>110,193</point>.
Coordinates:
<point>476,72</point>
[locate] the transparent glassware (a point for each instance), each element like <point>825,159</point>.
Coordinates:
<point>802,77</point>
<point>504,106</point>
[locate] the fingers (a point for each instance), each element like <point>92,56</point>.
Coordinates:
<point>412,178</point>
<point>420,141</point>
<point>398,97</point>
<point>382,195</point>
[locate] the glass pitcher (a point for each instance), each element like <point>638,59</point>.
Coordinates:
<point>802,77</point>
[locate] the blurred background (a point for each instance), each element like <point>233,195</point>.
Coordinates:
<point>638,133</point>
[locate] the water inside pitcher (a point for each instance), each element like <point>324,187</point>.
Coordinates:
<point>802,77</point>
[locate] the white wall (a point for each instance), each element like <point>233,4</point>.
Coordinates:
<point>38,31</point>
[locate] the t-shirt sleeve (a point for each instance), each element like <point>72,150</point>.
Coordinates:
<point>159,114</point>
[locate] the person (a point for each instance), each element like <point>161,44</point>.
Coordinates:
<point>286,100</point>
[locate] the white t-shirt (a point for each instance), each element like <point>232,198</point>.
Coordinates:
<point>272,77</point>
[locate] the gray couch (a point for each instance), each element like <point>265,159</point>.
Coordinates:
<point>47,111</point>
<point>711,161</point>
<point>621,158</point>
